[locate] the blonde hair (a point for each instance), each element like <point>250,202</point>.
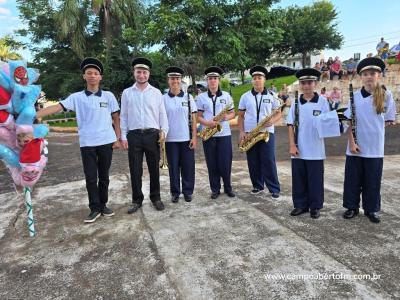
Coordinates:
<point>379,95</point>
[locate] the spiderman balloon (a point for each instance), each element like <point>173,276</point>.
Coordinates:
<point>22,147</point>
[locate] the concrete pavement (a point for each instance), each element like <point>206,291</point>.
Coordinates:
<point>222,249</point>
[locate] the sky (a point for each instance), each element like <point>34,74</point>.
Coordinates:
<point>361,22</point>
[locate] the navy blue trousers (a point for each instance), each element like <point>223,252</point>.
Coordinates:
<point>218,153</point>
<point>308,183</point>
<point>180,163</point>
<point>262,165</point>
<point>363,176</point>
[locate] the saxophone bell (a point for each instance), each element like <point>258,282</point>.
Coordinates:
<point>208,132</point>
<point>258,134</point>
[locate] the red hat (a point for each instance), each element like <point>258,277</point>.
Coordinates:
<point>31,152</point>
<point>4,115</point>
<point>4,96</point>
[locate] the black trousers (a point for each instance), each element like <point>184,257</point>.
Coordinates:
<point>363,176</point>
<point>144,142</point>
<point>180,163</point>
<point>96,164</point>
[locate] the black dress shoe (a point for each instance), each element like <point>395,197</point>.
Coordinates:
<point>188,198</point>
<point>174,198</point>
<point>134,208</point>
<point>158,205</point>
<point>298,211</point>
<point>373,217</point>
<point>275,195</point>
<point>230,194</point>
<point>214,195</point>
<point>314,213</point>
<point>350,213</point>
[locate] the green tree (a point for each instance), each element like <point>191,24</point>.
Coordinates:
<point>309,28</point>
<point>60,74</point>
<point>233,35</point>
<point>73,19</point>
<point>58,57</point>
<point>259,30</point>
<point>192,64</point>
<point>8,48</point>
<point>160,61</point>
<point>117,68</point>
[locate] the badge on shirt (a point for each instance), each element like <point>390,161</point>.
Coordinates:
<point>185,104</point>
<point>223,101</point>
<point>316,112</point>
<point>103,104</point>
<point>266,100</point>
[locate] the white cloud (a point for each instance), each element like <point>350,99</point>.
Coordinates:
<point>4,11</point>
<point>3,1</point>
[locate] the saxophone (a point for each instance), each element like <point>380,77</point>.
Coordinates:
<point>256,135</point>
<point>208,132</point>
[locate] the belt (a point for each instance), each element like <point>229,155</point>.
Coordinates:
<point>144,130</point>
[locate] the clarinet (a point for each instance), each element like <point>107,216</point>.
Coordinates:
<point>189,116</point>
<point>353,113</point>
<point>296,117</point>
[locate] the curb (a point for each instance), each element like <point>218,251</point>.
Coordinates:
<point>64,129</point>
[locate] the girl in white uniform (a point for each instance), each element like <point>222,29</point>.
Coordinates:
<point>182,136</point>
<point>371,109</point>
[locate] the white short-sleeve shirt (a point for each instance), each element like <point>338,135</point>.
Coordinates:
<point>370,129</point>
<point>252,101</point>
<point>205,103</point>
<point>93,115</point>
<point>310,145</point>
<point>178,116</point>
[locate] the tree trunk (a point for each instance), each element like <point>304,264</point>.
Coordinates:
<point>303,59</point>
<point>192,76</point>
<point>107,24</point>
<point>242,75</point>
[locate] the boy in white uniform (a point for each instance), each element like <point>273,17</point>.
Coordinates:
<point>307,147</point>
<point>96,111</point>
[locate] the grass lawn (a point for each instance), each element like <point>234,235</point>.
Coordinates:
<point>238,91</point>
<point>64,124</point>
<point>392,61</point>
<point>60,116</point>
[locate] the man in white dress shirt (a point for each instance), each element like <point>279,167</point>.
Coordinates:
<point>144,124</point>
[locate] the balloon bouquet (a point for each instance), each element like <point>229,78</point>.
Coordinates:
<point>22,146</point>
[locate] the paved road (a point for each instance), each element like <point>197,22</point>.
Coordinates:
<point>223,249</point>
<point>65,162</point>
